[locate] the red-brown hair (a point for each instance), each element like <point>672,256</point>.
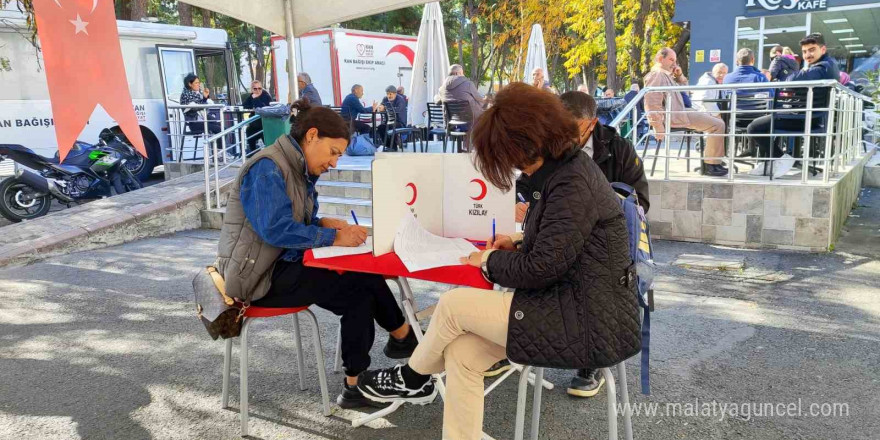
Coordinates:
<point>524,124</point>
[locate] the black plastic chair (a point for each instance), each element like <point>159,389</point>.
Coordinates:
<point>436,123</point>
<point>687,139</point>
<point>457,117</point>
<point>757,106</point>
<point>394,133</point>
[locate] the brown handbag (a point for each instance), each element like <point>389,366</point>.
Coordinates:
<point>220,313</point>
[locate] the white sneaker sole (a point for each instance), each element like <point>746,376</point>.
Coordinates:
<point>413,400</point>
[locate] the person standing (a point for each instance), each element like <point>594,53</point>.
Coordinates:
<point>715,77</point>
<point>257,99</point>
<point>307,89</point>
<point>666,73</point>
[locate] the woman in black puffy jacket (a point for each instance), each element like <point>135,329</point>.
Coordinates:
<point>574,303</point>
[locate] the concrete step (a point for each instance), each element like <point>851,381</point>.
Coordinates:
<point>343,206</point>
<point>348,175</point>
<point>213,219</point>
<point>352,190</point>
<point>871,177</point>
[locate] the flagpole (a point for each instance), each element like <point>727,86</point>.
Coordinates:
<point>291,51</point>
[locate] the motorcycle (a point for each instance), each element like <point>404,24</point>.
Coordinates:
<point>88,172</point>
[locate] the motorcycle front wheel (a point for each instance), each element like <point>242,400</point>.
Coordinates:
<point>17,201</point>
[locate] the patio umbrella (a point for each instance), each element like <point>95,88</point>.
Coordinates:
<point>431,64</point>
<point>290,18</point>
<point>537,53</point>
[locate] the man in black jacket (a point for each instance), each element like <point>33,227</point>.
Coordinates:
<point>258,98</point>
<point>782,66</point>
<point>619,162</point>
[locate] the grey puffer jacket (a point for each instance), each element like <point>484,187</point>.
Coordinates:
<point>575,304</point>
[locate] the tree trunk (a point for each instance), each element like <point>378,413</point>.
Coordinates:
<point>638,33</point>
<point>123,9</point>
<point>261,56</point>
<point>184,11</point>
<point>476,73</point>
<point>592,79</point>
<point>611,42</point>
<point>138,9</point>
<point>681,49</point>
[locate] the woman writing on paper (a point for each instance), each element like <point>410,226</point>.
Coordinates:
<point>272,219</point>
<point>574,303</point>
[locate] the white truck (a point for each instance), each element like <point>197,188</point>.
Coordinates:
<point>337,58</point>
<point>156,57</point>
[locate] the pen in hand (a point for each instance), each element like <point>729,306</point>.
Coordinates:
<point>521,198</point>
<point>354,217</point>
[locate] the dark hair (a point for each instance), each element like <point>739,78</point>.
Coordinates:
<point>524,124</point>
<point>188,80</point>
<point>777,49</point>
<point>580,104</point>
<point>814,38</point>
<point>327,121</point>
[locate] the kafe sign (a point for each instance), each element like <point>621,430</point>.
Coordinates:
<point>765,7</point>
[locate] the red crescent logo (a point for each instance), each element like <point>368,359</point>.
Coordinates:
<point>415,193</point>
<point>483,189</point>
<point>404,50</point>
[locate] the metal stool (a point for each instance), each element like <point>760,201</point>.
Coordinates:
<point>536,403</point>
<point>266,312</point>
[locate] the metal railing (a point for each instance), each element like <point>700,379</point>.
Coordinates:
<point>229,147</point>
<point>852,123</point>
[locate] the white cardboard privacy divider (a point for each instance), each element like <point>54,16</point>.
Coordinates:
<point>447,195</point>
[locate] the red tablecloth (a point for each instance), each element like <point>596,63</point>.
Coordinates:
<point>390,265</point>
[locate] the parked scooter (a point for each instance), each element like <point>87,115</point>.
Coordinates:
<point>88,172</point>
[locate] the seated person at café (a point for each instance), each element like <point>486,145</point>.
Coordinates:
<point>566,270</point>
<point>821,66</point>
<point>706,100</point>
<point>619,162</point>
<point>746,73</point>
<point>667,73</point>
<point>352,107</point>
<point>397,103</point>
<point>257,99</point>
<point>272,220</point>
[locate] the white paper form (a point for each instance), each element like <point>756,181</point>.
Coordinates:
<point>419,249</point>
<point>340,251</point>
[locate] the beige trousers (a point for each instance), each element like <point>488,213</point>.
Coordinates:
<point>467,334</point>
<point>706,123</point>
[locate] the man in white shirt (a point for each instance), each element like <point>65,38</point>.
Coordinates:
<point>716,76</point>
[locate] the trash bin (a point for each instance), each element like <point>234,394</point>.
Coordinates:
<point>274,127</point>
<point>276,122</point>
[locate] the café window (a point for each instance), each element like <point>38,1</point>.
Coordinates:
<point>851,33</point>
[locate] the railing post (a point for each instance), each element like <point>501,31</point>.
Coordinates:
<point>216,172</point>
<point>207,174</point>
<point>830,122</point>
<point>635,126</point>
<point>731,148</point>
<point>668,134</point>
<point>808,128</point>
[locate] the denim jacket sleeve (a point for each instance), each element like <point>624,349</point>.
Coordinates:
<point>269,209</point>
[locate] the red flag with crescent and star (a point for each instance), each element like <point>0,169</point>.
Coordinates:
<point>84,68</point>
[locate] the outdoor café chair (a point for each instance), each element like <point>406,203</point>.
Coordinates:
<point>251,314</point>
<point>795,100</point>
<point>457,117</point>
<point>395,133</point>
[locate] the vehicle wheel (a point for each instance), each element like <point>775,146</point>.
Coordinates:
<point>140,166</point>
<point>17,202</point>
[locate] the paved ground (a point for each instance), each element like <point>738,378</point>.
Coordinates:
<point>154,179</point>
<point>105,344</point>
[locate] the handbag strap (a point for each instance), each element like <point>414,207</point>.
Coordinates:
<point>220,284</point>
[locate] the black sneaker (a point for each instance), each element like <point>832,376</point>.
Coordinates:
<point>352,397</point>
<point>395,349</point>
<point>716,171</point>
<point>586,383</point>
<point>388,386</point>
<point>499,367</point>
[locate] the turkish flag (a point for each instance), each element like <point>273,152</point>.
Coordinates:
<point>84,68</point>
